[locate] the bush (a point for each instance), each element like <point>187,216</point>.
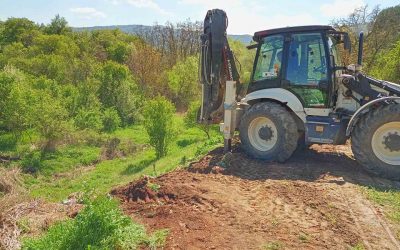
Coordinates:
<point>111,120</point>
<point>100,225</point>
<point>158,122</point>
<point>31,162</point>
<point>88,119</point>
<point>48,117</point>
<point>183,81</point>
<point>118,90</point>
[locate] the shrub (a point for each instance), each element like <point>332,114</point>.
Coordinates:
<point>31,162</point>
<point>158,122</point>
<point>88,119</point>
<point>117,89</point>
<point>48,117</point>
<point>183,81</point>
<point>111,120</point>
<point>100,225</point>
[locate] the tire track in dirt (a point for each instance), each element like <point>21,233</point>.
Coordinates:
<point>310,202</point>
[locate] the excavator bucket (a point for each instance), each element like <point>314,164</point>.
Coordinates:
<point>217,65</point>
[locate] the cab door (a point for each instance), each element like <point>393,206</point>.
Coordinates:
<point>307,71</point>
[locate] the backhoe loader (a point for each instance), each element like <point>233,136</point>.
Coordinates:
<point>299,93</point>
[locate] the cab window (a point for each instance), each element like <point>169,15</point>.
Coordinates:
<point>269,63</point>
<point>307,61</point>
<point>307,69</point>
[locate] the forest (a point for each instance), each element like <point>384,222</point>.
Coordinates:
<point>84,111</point>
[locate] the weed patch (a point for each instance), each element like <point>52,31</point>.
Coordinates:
<point>100,225</point>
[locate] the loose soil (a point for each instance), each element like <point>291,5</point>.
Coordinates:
<point>313,201</point>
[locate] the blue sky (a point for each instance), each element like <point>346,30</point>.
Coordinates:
<point>245,16</point>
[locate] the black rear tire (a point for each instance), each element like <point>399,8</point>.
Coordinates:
<point>285,127</point>
<point>362,139</point>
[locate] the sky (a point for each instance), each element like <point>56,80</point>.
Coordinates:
<point>245,16</point>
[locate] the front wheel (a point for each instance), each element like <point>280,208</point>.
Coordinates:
<point>268,131</point>
<point>376,141</point>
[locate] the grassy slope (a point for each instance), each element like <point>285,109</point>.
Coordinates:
<point>111,173</point>
<point>389,200</point>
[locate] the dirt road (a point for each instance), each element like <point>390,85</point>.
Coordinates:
<point>311,202</point>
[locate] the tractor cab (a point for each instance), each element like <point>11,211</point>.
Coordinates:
<point>301,60</point>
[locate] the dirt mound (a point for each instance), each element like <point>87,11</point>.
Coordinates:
<point>144,191</point>
<point>234,202</point>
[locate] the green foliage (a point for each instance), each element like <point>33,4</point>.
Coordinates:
<point>58,26</point>
<point>16,100</point>
<point>118,90</point>
<point>183,81</point>
<point>111,120</point>
<point>158,122</point>
<point>245,59</point>
<point>191,118</point>
<point>88,119</point>
<point>17,30</point>
<point>101,225</point>
<point>48,117</point>
<point>387,66</point>
<point>118,52</point>
<point>31,163</point>
<point>207,145</point>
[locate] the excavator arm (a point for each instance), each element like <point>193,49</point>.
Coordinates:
<point>217,65</point>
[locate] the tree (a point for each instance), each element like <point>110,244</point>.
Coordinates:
<point>158,121</point>
<point>57,26</point>
<point>15,101</point>
<point>17,30</point>
<point>174,42</point>
<point>117,89</point>
<point>48,117</point>
<point>192,116</point>
<point>146,65</point>
<point>381,30</point>
<point>387,66</point>
<point>183,81</point>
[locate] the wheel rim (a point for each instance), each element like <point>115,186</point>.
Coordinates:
<point>263,134</point>
<point>386,143</point>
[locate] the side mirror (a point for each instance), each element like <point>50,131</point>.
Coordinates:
<point>346,42</point>
<point>342,37</point>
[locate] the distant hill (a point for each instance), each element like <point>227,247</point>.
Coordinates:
<point>134,29</point>
<point>246,39</point>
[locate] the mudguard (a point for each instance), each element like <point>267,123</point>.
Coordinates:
<point>365,108</point>
<point>280,95</point>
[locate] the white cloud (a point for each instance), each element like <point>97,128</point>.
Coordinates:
<point>88,12</point>
<point>148,4</point>
<point>249,16</point>
<point>340,8</point>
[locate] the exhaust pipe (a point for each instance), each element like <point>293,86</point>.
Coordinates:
<point>360,48</point>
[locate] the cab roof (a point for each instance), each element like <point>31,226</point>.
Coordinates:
<point>260,34</point>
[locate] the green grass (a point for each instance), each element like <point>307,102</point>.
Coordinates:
<point>388,199</point>
<point>100,225</point>
<point>68,158</point>
<point>8,143</point>
<point>189,144</point>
